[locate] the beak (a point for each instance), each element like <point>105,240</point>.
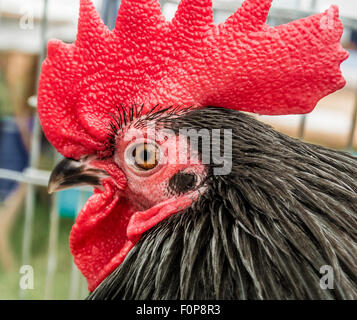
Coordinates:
<point>71,173</point>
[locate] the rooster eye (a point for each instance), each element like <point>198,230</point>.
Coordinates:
<point>145,156</point>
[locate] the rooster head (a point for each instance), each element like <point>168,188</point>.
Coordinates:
<point>103,101</point>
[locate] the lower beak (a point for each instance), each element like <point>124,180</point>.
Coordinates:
<point>71,173</point>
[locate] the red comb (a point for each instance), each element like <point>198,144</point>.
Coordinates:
<point>240,64</point>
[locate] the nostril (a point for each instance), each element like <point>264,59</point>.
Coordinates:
<point>182,182</point>
<point>112,170</point>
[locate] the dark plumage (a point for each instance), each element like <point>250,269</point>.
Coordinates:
<point>261,232</point>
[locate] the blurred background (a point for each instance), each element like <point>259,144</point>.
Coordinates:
<point>34,227</point>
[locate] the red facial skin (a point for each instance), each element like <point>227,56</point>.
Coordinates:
<point>132,202</point>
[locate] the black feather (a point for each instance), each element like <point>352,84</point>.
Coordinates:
<point>262,232</point>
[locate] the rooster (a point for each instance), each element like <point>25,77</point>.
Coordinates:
<point>238,211</point>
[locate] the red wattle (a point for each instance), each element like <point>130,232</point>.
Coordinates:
<point>98,240</point>
<point>143,221</point>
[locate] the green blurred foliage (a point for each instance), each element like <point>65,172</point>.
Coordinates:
<point>9,282</point>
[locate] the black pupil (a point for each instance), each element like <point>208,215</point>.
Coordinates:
<point>144,155</point>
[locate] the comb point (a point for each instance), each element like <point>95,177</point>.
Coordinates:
<point>90,24</point>
<point>250,17</point>
<point>194,14</point>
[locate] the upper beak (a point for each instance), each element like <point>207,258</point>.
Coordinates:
<point>72,173</point>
